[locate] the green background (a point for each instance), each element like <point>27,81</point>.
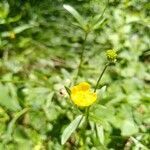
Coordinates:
<point>39,55</point>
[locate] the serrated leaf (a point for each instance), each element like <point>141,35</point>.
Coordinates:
<point>101,111</point>
<point>129,128</point>
<point>75,14</point>
<point>7,100</point>
<point>71,128</point>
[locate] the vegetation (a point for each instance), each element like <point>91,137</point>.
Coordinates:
<point>54,55</point>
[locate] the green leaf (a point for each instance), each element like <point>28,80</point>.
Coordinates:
<point>4,9</point>
<point>100,133</point>
<point>138,144</point>
<point>20,29</point>
<point>75,14</point>
<point>101,91</point>
<point>129,128</point>
<point>16,30</point>
<point>8,135</point>
<point>99,24</point>
<point>14,19</point>
<point>101,111</point>
<point>3,115</point>
<point>101,115</point>
<point>71,128</point>
<point>7,100</point>
<point>68,90</point>
<point>98,21</point>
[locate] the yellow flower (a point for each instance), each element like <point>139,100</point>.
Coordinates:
<point>111,55</point>
<point>82,95</point>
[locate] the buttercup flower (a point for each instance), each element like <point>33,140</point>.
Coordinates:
<point>82,95</point>
<point>111,55</point>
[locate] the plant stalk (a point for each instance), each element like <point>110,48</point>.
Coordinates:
<point>100,77</point>
<point>81,58</point>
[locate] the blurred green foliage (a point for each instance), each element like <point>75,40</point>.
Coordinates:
<point>39,53</point>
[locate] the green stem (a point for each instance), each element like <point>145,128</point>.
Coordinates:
<point>88,108</point>
<point>97,83</point>
<point>85,125</point>
<point>101,17</point>
<point>81,57</point>
<point>100,77</point>
<point>86,116</point>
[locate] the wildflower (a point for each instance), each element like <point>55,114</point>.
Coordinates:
<point>111,55</point>
<point>82,95</point>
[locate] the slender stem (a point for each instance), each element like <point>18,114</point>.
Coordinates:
<point>88,108</point>
<point>81,57</point>
<point>100,77</point>
<point>97,83</point>
<point>86,116</point>
<point>103,12</point>
<point>83,131</point>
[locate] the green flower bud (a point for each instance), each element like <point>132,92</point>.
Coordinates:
<point>111,55</point>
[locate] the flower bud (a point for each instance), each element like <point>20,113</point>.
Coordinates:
<point>111,55</point>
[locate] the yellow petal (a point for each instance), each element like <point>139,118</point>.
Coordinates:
<point>83,86</point>
<point>74,89</point>
<point>81,95</point>
<point>84,98</point>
